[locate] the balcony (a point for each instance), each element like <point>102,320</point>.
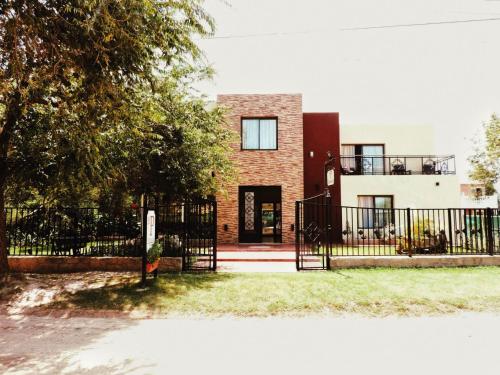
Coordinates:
<point>397,165</point>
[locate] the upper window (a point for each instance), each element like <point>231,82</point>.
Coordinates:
<point>259,134</point>
<point>362,159</point>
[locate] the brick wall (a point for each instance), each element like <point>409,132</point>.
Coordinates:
<point>282,167</point>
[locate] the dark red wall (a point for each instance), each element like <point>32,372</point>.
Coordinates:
<point>321,134</point>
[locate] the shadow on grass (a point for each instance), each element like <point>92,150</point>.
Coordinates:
<point>122,294</point>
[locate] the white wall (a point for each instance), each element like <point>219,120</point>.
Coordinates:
<point>414,191</point>
<point>490,201</point>
<point>398,140</point>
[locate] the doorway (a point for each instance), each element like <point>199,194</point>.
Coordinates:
<point>260,214</point>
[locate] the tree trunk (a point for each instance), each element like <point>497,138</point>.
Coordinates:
<point>12,115</point>
<point>4,264</point>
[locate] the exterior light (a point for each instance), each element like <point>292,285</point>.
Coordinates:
<point>311,154</point>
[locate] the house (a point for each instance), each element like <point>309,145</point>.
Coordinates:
<point>474,196</point>
<point>281,154</point>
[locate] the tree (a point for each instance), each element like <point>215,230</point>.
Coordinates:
<point>71,75</point>
<point>486,159</point>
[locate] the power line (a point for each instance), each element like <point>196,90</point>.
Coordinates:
<point>421,24</point>
<point>271,34</point>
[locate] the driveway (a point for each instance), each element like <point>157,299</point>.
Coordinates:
<point>465,344</point>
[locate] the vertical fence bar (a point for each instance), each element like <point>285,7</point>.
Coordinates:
<point>409,230</point>
<point>450,232</point>
<point>297,237</point>
<point>489,230</point>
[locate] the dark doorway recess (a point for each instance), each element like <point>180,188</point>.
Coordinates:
<point>260,214</point>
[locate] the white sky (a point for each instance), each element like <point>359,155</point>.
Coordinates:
<point>447,76</point>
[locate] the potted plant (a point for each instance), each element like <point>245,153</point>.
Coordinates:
<point>153,257</point>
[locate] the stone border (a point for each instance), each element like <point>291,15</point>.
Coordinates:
<point>415,261</point>
<point>58,264</point>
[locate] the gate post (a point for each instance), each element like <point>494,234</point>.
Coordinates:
<point>214,239</point>
<point>489,230</point>
<point>144,235</point>
<point>297,234</point>
<point>328,223</point>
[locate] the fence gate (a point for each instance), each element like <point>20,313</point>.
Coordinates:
<point>313,233</point>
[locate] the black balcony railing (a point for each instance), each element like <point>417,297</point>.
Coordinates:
<point>397,165</point>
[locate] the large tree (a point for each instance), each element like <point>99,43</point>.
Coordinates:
<point>486,160</point>
<point>72,77</point>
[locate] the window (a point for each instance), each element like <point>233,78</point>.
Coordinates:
<point>259,134</point>
<point>375,211</point>
<point>363,159</point>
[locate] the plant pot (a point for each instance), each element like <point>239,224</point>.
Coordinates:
<point>150,267</point>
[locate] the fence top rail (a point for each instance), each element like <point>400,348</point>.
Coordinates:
<point>437,157</point>
<point>420,209</point>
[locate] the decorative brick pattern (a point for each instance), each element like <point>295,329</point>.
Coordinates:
<point>283,167</point>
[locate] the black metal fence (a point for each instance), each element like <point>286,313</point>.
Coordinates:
<point>186,229</point>
<point>397,165</point>
<point>313,239</point>
<point>324,231</point>
<point>380,231</point>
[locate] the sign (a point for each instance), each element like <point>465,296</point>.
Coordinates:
<point>330,177</point>
<point>150,229</point>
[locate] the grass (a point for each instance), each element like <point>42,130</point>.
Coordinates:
<point>374,292</point>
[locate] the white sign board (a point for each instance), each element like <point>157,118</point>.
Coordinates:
<point>330,176</point>
<point>150,229</point>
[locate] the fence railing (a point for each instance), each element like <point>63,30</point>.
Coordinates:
<point>387,232</point>
<point>184,229</point>
<point>397,165</point>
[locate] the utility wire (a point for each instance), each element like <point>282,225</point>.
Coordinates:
<point>256,35</point>
<point>421,24</point>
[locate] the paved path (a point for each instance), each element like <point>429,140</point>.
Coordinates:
<point>467,344</point>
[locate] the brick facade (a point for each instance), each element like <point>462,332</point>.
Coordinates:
<point>283,167</point>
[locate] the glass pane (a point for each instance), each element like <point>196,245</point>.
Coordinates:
<point>249,210</point>
<point>365,214</point>
<point>250,134</point>
<point>382,212</point>
<point>372,163</point>
<point>268,134</point>
<point>267,219</point>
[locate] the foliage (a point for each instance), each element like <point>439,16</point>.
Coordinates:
<point>485,162</point>
<point>87,86</point>
<point>154,253</point>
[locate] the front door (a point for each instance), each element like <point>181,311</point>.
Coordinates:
<point>260,214</point>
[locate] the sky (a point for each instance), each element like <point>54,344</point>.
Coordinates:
<point>446,75</point>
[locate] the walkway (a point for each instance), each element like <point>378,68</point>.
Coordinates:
<point>256,258</point>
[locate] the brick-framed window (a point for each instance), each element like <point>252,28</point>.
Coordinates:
<point>259,133</point>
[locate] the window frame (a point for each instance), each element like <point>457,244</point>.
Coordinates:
<point>259,119</point>
<point>358,157</point>
<point>392,217</point>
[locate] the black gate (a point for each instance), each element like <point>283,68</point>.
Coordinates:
<point>313,233</point>
<point>189,229</point>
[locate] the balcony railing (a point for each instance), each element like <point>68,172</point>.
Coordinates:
<point>397,165</point>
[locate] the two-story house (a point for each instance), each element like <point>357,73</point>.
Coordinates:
<point>281,153</point>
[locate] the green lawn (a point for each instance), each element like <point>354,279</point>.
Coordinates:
<point>376,292</point>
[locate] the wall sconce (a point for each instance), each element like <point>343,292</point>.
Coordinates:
<point>311,154</point>
<point>226,227</point>
<point>292,227</point>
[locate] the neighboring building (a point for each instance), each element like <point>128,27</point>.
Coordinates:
<point>395,166</point>
<point>474,196</point>
<point>281,155</point>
